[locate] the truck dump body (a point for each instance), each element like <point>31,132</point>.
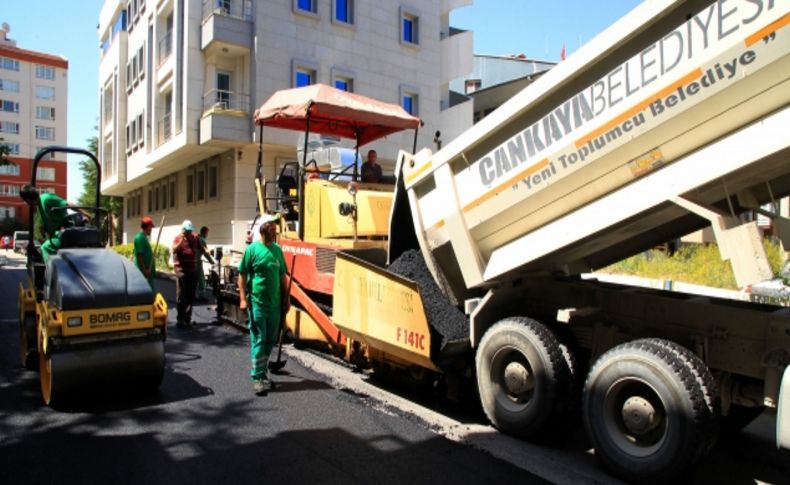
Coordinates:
<point>661,83</point>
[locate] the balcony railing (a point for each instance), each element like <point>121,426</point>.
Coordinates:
<point>240,9</point>
<point>222,100</point>
<point>164,129</point>
<point>165,47</point>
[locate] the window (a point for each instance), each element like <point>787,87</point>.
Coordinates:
<point>213,180</point>
<point>163,195</point>
<point>9,190</point>
<point>306,6</point>
<point>200,184</point>
<point>45,133</point>
<point>409,100</point>
<point>9,85</point>
<point>48,156</point>
<point>12,169</point>
<point>472,85</point>
<point>156,198</point>
<point>129,80</point>
<point>150,200</point>
<point>304,73</point>
<point>45,72</point>
<point>140,128</point>
<point>138,203</point>
<point>141,62</point>
<point>190,187</point>
<point>9,64</point>
<point>46,174</point>
<point>7,212</point>
<point>343,11</point>
<point>9,106</point>
<point>13,149</point>
<point>45,113</point>
<point>223,90</point>
<point>172,192</point>
<point>9,127</point>
<point>223,6</point>
<point>45,92</point>
<point>409,27</point>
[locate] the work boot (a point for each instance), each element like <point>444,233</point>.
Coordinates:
<point>261,386</point>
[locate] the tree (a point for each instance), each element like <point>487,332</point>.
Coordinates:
<point>88,198</point>
<point>5,150</point>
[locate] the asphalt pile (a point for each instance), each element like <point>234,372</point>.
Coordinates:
<point>446,321</point>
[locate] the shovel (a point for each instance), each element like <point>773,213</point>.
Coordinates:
<point>278,364</point>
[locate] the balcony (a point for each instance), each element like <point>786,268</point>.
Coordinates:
<point>164,129</point>
<point>227,27</point>
<point>456,54</point>
<point>226,119</point>
<point>165,48</point>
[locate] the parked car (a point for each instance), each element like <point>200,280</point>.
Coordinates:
<point>21,238</point>
<point>775,291</point>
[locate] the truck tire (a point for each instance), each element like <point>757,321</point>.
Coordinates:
<point>645,411</point>
<point>712,415</point>
<point>27,341</point>
<point>524,378</point>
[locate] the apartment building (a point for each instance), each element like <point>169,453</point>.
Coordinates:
<point>33,89</point>
<point>179,81</point>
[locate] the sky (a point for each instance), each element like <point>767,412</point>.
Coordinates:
<point>536,28</point>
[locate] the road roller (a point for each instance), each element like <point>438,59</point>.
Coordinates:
<point>87,316</point>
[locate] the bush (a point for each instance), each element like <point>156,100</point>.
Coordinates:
<point>161,254</point>
<point>699,264</point>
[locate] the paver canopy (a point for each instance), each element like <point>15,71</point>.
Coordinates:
<point>333,112</point>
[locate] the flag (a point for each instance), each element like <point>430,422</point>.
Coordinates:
<point>562,52</point>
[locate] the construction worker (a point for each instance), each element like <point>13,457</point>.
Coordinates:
<point>143,256</point>
<point>371,170</point>
<point>51,221</point>
<point>185,253</point>
<point>201,275</point>
<point>262,283</point>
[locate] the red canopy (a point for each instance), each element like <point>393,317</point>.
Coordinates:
<point>334,112</point>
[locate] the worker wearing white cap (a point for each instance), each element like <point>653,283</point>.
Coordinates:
<point>262,283</point>
<point>186,250</point>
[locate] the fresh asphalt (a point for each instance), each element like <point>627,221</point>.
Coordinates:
<point>323,424</point>
<point>204,425</point>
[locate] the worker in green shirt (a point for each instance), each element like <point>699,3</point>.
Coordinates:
<point>261,283</point>
<point>143,256</point>
<point>50,221</point>
<point>201,273</point>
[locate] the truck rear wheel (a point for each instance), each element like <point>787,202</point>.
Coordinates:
<point>27,341</point>
<point>645,412</point>
<point>523,377</point>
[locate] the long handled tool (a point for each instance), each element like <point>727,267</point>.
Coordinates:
<point>158,235</point>
<point>278,364</point>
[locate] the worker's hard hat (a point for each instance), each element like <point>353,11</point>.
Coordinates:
<point>146,221</point>
<point>187,225</point>
<point>269,218</point>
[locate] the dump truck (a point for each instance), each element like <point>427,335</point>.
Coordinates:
<point>88,318</point>
<point>673,119</point>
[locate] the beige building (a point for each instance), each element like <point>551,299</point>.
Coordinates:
<point>33,92</point>
<point>180,79</point>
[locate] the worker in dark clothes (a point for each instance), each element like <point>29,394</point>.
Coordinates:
<point>186,250</point>
<point>371,170</point>
<point>201,275</point>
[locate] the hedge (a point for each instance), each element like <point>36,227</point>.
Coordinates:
<point>161,252</point>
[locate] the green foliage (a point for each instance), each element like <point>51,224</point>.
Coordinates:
<point>693,263</point>
<point>88,197</point>
<point>4,152</point>
<point>161,254</point>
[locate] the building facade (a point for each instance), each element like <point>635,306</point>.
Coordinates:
<point>179,81</point>
<point>33,92</point>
